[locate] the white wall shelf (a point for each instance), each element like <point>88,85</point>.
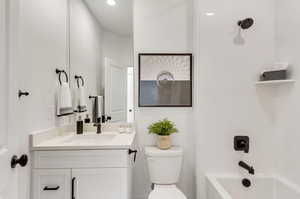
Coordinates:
<point>275,82</point>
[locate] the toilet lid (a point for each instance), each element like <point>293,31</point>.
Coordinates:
<point>153,151</point>
<point>166,192</point>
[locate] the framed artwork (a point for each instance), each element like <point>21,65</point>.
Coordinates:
<point>165,80</point>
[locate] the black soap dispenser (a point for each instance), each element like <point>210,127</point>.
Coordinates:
<point>79,126</point>
<point>87,120</point>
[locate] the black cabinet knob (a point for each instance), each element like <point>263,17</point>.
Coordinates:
<point>22,161</point>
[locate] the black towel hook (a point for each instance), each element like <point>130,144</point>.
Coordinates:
<point>22,93</point>
<point>77,77</point>
<point>59,72</point>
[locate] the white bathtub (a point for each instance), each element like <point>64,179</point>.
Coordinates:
<point>263,187</point>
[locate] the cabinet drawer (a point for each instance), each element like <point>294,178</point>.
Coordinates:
<point>52,183</point>
<point>81,159</point>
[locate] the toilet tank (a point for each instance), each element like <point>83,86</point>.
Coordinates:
<point>164,165</point>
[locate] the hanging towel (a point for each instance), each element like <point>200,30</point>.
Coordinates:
<point>81,105</point>
<point>64,100</point>
<point>98,109</point>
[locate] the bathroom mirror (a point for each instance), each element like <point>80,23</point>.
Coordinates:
<point>101,53</point>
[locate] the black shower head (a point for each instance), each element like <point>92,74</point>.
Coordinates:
<point>246,23</point>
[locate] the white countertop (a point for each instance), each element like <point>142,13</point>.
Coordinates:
<point>65,138</point>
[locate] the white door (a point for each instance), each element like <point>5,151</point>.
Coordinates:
<point>115,98</point>
<point>106,183</point>
<point>8,100</point>
<point>51,184</point>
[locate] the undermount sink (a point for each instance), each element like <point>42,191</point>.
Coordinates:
<point>89,139</point>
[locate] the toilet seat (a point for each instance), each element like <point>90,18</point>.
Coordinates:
<point>166,192</point>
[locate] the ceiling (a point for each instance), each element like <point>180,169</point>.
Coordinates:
<point>117,19</point>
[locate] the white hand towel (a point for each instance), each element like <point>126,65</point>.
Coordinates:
<point>65,96</point>
<point>81,104</point>
<point>100,106</point>
<point>64,100</point>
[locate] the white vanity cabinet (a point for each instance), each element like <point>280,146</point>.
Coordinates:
<point>82,174</point>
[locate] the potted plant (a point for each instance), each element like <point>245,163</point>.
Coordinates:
<point>163,128</point>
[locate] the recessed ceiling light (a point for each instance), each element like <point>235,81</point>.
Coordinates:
<point>111,2</point>
<point>210,14</point>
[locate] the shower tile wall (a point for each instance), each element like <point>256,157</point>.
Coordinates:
<point>288,109</point>
<point>228,102</point>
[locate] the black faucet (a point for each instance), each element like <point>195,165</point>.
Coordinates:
<point>244,165</point>
<point>98,125</point>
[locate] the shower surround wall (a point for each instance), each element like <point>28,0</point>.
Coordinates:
<point>287,97</point>
<point>228,102</point>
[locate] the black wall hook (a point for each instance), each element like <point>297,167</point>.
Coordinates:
<point>77,77</point>
<point>22,93</point>
<point>59,72</point>
<point>246,23</point>
<point>92,97</point>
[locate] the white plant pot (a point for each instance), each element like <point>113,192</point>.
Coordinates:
<point>164,142</point>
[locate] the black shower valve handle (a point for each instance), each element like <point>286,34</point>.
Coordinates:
<point>241,143</point>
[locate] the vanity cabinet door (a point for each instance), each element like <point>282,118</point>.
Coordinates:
<point>105,183</point>
<point>51,184</point>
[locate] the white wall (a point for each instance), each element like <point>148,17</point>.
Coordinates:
<point>118,48</point>
<point>228,102</point>
<point>86,49</point>
<point>165,27</point>
<point>287,96</point>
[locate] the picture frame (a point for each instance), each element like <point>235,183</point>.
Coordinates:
<point>165,79</point>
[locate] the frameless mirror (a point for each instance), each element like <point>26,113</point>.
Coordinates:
<point>101,53</point>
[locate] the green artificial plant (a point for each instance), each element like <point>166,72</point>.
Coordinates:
<point>163,128</point>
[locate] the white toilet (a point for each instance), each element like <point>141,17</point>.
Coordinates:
<point>164,170</point>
